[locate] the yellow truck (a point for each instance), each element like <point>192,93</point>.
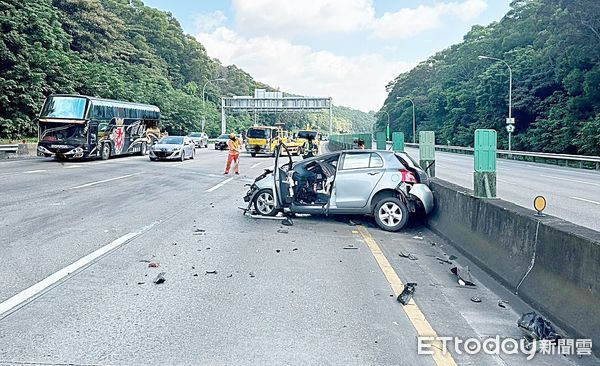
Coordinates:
<point>301,138</point>
<point>264,139</point>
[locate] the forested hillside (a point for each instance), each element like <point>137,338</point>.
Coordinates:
<point>553,48</point>
<point>117,49</point>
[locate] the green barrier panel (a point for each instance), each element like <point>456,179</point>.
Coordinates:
<point>484,177</point>
<point>380,139</point>
<point>368,139</point>
<point>398,141</point>
<point>427,152</point>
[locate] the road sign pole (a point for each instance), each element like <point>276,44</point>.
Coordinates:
<point>427,152</point>
<point>484,176</point>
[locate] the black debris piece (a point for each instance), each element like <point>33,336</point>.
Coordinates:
<point>476,299</point>
<point>350,247</point>
<point>407,293</point>
<point>503,304</point>
<point>199,231</point>
<point>144,260</point>
<point>282,231</point>
<point>463,275</point>
<point>160,278</point>
<point>141,283</point>
<point>408,255</point>
<point>287,222</point>
<point>252,274</point>
<point>230,275</point>
<point>452,257</point>
<point>153,265</point>
<point>278,250</point>
<point>211,272</point>
<point>293,250</point>
<point>195,275</point>
<point>536,327</point>
<point>443,260</point>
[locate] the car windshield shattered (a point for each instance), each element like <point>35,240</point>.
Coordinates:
<point>323,182</point>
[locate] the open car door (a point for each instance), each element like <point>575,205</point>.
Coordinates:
<point>280,175</point>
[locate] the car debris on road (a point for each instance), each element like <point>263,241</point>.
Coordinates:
<point>536,327</point>
<point>463,275</point>
<point>408,255</point>
<point>407,293</point>
<point>160,278</point>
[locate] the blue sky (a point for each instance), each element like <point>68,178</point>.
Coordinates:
<point>346,49</point>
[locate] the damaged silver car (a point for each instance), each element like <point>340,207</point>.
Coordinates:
<point>386,185</point>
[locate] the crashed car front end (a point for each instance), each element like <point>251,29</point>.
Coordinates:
<point>263,181</point>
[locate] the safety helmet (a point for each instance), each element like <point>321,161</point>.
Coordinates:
<point>232,135</point>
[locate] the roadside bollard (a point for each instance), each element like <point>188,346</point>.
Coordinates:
<point>398,141</point>
<point>484,177</point>
<point>427,152</point>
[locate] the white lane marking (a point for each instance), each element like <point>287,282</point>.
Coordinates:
<point>255,165</point>
<point>102,181</point>
<point>219,185</point>
<point>36,289</point>
<point>585,200</point>
<point>73,166</point>
<point>570,180</point>
<point>35,171</point>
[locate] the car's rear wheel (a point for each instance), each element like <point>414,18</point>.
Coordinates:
<point>264,203</point>
<point>391,214</point>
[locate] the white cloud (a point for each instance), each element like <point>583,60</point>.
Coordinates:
<point>358,81</point>
<point>408,22</point>
<point>291,17</point>
<point>208,22</point>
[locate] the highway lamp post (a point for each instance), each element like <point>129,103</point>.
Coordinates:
<point>414,121</point>
<point>387,133</point>
<point>204,102</point>
<point>509,121</point>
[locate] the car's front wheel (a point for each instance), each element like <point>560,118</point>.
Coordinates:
<point>264,203</point>
<point>391,214</point>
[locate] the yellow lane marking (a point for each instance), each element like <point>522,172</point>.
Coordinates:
<point>412,310</point>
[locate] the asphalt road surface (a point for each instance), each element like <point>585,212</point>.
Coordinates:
<point>572,194</point>
<point>77,239</point>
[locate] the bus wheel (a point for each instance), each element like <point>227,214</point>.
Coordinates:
<point>143,149</point>
<point>105,152</point>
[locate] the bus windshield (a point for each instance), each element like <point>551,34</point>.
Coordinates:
<point>64,107</point>
<point>64,133</point>
<point>258,133</point>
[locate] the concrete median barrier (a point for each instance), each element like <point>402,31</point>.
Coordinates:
<point>552,264</point>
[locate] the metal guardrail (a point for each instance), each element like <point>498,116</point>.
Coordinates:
<point>580,161</point>
<point>9,148</point>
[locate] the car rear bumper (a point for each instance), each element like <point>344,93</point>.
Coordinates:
<point>424,195</point>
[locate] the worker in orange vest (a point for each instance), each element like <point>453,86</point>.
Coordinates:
<point>234,154</point>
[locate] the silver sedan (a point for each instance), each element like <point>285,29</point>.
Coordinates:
<point>172,148</point>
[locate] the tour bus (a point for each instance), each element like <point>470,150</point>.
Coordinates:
<point>76,126</point>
